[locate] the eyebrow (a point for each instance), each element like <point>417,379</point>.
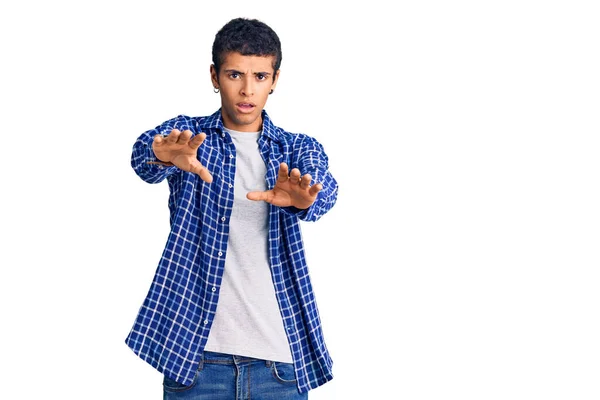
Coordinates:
<point>241,73</point>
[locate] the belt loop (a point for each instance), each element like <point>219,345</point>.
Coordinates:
<point>201,364</point>
<point>268,362</point>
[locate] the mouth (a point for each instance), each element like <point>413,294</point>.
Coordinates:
<point>245,107</point>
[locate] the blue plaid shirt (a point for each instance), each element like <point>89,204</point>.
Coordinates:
<point>173,323</point>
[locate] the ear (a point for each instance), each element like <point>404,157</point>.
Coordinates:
<point>275,79</point>
<point>214,77</point>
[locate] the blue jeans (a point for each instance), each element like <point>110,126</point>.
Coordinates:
<point>227,377</point>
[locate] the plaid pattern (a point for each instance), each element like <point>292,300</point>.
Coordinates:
<point>173,323</point>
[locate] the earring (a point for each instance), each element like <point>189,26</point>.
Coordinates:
<point>216,90</point>
<point>271,92</point>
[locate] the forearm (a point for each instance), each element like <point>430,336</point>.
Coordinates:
<point>325,200</point>
<point>146,165</point>
<point>311,159</point>
<point>143,160</point>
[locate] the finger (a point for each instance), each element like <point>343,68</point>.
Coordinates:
<point>283,173</point>
<point>295,176</point>
<point>197,140</point>
<point>305,181</point>
<point>314,189</point>
<point>202,172</point>
<point>260,196</point>
<point>158,139</point>
<point>173,136</point>
<point>184,137</point>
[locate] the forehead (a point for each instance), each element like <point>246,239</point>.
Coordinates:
<point>239,62</point>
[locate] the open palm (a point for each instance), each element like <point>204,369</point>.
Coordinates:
<point>181,149</point>
<point>290,190</point>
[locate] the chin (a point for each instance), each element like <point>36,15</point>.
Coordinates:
<point>241,120</point>
<point>247,119</point>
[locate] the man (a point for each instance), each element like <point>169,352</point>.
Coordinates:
<point>230,313</point>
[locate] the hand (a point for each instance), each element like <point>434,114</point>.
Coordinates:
<point>179,150</point>
<point>291,190</point>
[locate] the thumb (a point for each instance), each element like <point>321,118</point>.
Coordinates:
<point>260,196</point>
<point>201,171</point>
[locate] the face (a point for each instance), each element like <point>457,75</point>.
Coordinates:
<point>244,83</point>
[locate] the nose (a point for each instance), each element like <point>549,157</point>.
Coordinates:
<point>247,88</point>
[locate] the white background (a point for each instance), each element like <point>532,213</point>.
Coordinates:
<point>461,260</point>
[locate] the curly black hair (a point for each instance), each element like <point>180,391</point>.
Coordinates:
<point>249,37</point>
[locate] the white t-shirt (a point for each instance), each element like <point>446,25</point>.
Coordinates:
<point>248,321</point>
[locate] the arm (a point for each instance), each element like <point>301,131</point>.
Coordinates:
<point>307,196</point>
<point>162,151</point>
<point>145,163</point>
<point>312,160</point>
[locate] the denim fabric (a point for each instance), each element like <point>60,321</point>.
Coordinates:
<point>228,377</point>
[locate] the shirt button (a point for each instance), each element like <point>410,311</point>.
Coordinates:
<point>231,156</point>
<point>205,322</point>
<point>223,134</point>
<point>230,185</point>
<point>214,289</point>
<point>223,218</point>
<point>220,253</point>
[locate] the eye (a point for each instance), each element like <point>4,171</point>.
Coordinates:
<point>234,75</point>
<point>261,77</point>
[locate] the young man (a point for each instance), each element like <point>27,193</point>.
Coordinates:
<point>231,313</point>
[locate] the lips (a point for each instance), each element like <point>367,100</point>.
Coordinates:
<point>245,107</point>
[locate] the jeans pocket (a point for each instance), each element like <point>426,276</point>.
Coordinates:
<point>284,372</point>
<point>173,386</point>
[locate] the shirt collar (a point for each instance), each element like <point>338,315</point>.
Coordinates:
<point>215,121</point>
